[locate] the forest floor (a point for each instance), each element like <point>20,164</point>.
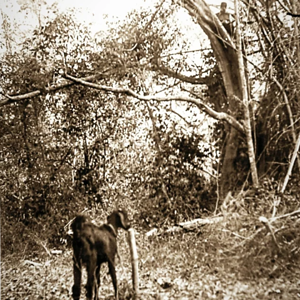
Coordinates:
<point>207,263</point>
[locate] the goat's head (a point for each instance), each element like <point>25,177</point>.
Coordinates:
<point>119,218</point>
<point>78,222</point>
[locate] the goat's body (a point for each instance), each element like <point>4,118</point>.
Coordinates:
<point>92,246</point>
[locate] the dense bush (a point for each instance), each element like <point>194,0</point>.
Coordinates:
<point>178,187</point>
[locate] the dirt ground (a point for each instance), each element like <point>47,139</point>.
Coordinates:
<point>202,264</point>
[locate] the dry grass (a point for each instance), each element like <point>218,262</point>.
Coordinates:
<point>212,262</point>
<point>237,258</point>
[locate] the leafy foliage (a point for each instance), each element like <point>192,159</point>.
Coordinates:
<point>75,148</point>
<point>82,147</point>
<point>59,150</point>
<point>179,166</point>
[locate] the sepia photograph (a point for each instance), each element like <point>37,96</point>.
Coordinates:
<point>150,149</point>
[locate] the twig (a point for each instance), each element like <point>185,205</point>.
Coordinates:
<point>247,239</point>
<point>68,225</point>
<point>267,224</point>
<point>276,203</point>
<point>181,117</point>
<point>290,114</point>
<point>235,234</point>
<point>285,215</point>
<point>29,262</point>
<point>44,246</point>
<point>289,172</point>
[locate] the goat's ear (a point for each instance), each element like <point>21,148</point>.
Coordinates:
<point>123,219</point>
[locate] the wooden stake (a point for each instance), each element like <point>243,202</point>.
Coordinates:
<point>134,263</point>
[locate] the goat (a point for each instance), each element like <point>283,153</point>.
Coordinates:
<point>92,246</point>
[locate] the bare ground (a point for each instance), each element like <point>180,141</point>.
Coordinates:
<point>206,263</point>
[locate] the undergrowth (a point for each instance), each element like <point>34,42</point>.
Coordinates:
<point>251,253</point>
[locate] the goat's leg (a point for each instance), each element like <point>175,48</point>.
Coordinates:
<point>112,272</point>
<point>97,282</point>
<point>91,286</point>
<point>77,279</point>
<point>98,276</point>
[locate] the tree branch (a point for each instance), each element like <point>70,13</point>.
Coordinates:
<point>169,72</point>
<point>181,117</point>
<point>202,106</point>
<point>12,99</point>
<point>85,81</point>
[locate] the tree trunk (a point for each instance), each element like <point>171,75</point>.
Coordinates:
<point>245,98</point>
<point>228,171</point>
<point>227,59</point>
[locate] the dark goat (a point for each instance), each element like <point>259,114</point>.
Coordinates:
<point>92,246</point>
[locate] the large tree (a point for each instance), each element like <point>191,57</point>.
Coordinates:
<point>139,52</point>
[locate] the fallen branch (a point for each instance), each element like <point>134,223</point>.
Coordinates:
<point>33,263</point>
<point>190,225</point>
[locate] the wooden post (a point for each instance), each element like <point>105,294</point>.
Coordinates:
<point>134,263</point>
